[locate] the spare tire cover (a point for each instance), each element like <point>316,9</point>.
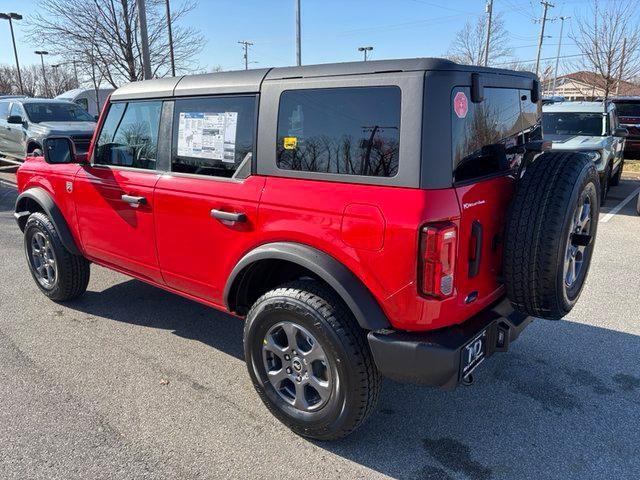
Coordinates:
<point>550,234</point>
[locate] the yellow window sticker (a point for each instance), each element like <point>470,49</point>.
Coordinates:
<point>290,143</point>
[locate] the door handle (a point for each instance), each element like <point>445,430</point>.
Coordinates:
<point>131,200</point>
<point>228,216</point>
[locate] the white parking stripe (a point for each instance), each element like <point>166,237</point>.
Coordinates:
<point>619,207</point>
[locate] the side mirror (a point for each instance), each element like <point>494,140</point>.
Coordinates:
<point>15,119</point>
<point>620,132</point>
<point>59,150</point>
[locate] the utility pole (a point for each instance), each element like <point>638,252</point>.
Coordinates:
<point>144,39</point>
<point>173,61</point>
<point>624,51</point>
<point>14,16</point>
<point>298,35</point>
<point>365,50</point>
<point>246,46</point>
<point>555,72</point>
<point>42,53</point>
<point>489,17</point>
<point>544,21</point>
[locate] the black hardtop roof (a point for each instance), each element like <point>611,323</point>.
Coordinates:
<point>249,81</point>
<point>626,99</point>
<point>34,100</point>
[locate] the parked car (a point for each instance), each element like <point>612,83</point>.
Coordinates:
<point>629,114</point>
<point>86,98</point>
<point>362,217</point>
<point>25,122</point>
<point>591,127</point>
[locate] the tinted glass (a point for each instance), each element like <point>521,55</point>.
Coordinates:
<point>129,136</point>
<point>4,110</point>
<point>631,109</point>
<point>83,102</point>
<point>56,112</point>
<point>483,136</point>
<point>573,123</point>
<point>349,131</point>
<point>213,136</point>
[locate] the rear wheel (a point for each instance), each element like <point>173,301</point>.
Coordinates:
<point>309,360</point>
<point>550,234</point>
<point>59,274</point>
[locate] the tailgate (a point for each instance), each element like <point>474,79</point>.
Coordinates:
<point>483,210</point>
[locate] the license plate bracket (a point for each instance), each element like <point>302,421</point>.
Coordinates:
<point>473,353</point>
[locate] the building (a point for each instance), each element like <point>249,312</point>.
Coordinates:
<point>587,86</point>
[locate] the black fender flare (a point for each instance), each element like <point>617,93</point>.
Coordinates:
<point>350,288</point>
<point>49,207</point>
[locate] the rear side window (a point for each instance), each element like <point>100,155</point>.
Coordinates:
<point>129,135</point>
<point>214,136</point>
<point>483,133</point>
<point>628,109</point>
<point>349,131</point>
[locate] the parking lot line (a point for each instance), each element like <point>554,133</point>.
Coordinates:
<point>619,207</point>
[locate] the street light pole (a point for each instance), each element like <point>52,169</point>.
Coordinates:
<point>42,53</point>
<point>489,18</point>
<point>173,61</point>
<point>298,35</point>
<point>365,50</point>
<point>555,72</point>
<point>14,16</point>
<point>144,39</point>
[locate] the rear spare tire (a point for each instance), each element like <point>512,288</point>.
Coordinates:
<point>550,234</point>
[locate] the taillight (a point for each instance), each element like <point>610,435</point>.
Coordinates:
<point>438,259</point>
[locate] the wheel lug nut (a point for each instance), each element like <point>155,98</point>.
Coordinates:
<point>299,378</point>
<point>288,370</point>
<point>294,353</point>
<point>287,357</point>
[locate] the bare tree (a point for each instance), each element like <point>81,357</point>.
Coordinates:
<point>59,80</point>
<point>105,32</point>
<point>469,45</point>
<point>600,35</point>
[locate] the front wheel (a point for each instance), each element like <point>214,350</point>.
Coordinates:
<point>309,360</point>
<point>59,274</point>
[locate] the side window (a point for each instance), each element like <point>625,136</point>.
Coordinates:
<point>483,133</point>
<point>214,136</point>
<point>129,135</point>
<point>4,110</point>
<point>349,131</point>
<point>83,102</point>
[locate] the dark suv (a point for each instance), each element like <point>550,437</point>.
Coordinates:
<point>392,218</point>
<point>629,115</point>
<point>26,122</point>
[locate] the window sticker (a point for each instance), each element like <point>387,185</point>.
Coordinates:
<point>208,135</point>
<point>290,143</point>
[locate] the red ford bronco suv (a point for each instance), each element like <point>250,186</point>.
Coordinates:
<point>390,218</point>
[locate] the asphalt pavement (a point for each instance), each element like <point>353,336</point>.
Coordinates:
<point>132,382</point>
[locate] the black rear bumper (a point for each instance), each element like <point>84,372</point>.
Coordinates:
<point>433,358</point>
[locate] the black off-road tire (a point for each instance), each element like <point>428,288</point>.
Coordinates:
<point>615,180</point>
<point>539,231</point>
<point>72,270</point>
<point>638,205</point>
<point>319,310</point>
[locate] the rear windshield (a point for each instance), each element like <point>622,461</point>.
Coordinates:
<point>56,112</point>
<point>484,133</point>
<point>628,109</point>
<point>573,123</point>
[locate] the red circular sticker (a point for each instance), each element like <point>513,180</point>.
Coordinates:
<point>460,105</point>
